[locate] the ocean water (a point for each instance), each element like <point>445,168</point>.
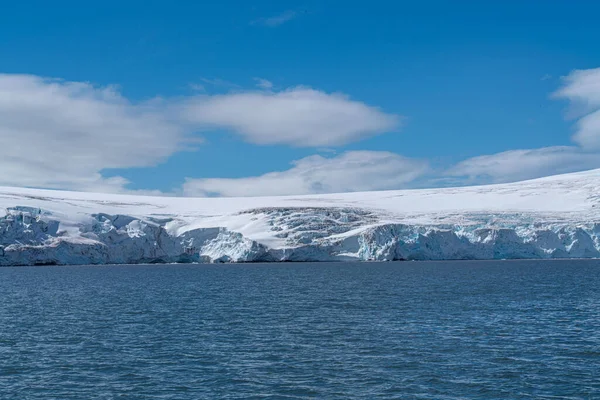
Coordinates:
<point>413,330</point>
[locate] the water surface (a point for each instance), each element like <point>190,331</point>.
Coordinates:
<point>414,330</point>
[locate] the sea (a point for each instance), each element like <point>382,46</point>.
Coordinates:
<point>402,330</point>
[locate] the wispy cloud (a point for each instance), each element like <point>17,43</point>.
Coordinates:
<point>263,83</point>
<point>196,87</point>
<point>220,83</point>
<point>276,20</point>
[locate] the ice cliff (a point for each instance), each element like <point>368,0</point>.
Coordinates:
<point>554,217</point>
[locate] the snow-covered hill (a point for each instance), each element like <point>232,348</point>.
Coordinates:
<point>556,216</point>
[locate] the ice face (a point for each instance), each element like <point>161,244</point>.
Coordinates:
<point>118,239</point>
<point>545,218</point>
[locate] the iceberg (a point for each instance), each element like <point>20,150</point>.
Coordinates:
<point>552,217</point>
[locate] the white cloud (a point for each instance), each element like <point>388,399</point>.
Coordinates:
<point>515,165</point>
<point>588,131</point>
<point>263,83</point>
<point>317,174</point>
<point>299,116</point>
<point>61,134</point>
<point>582,88</point>
<point>351,171</point>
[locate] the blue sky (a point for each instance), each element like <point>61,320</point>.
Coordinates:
<point>208,94</point>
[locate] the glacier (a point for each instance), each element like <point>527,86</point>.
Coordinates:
<point>552,217</point>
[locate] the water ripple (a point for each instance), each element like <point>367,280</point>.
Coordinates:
<point>497,330</point>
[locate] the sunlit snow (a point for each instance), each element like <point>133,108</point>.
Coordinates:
<point>544,218</point>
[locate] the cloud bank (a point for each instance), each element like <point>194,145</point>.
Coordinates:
<point>350,171</point>
<point>61,134</point>
<point>516,165</point>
